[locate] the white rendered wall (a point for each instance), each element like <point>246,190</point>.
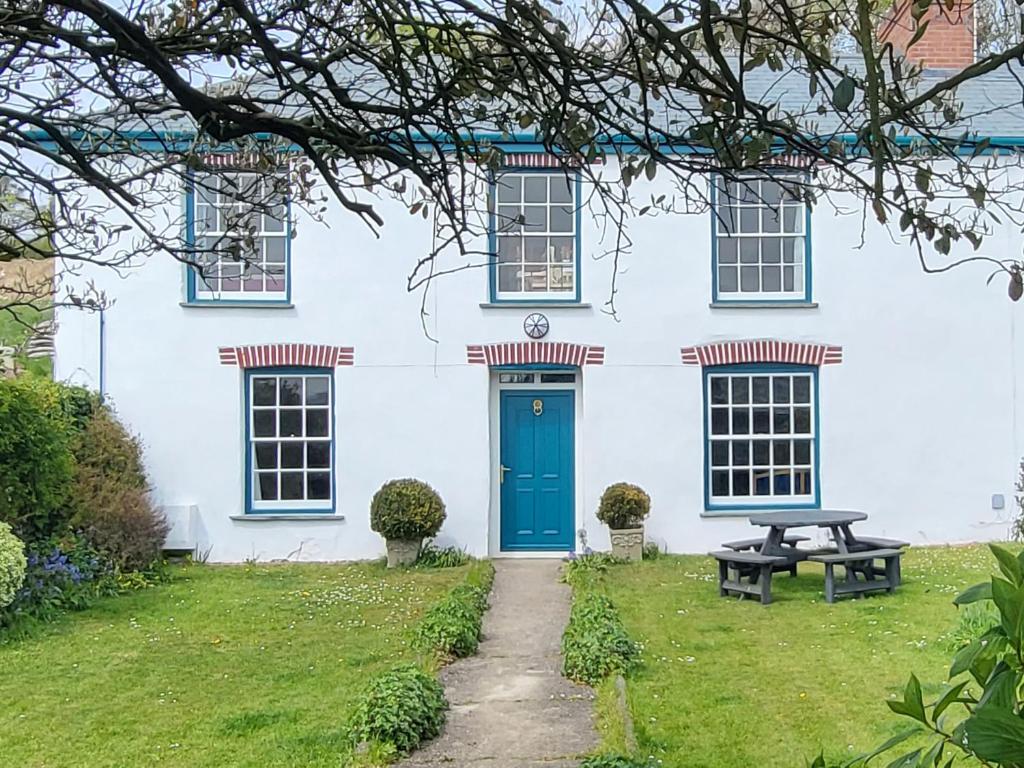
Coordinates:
<point>918,425</point>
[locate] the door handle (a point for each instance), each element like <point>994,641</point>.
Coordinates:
<point>502,469</point>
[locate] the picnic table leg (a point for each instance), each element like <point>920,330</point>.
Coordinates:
<point>892,573</point>
<point>766,584</point>
<point>830,586</point>
<point>773,541</point>
<point>723,575</point>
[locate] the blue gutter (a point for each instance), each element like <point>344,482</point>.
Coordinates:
<point>178,141</point>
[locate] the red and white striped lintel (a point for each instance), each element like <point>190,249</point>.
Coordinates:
<point>762,351</point>
<point>274,355</point>
<point>534,352</point>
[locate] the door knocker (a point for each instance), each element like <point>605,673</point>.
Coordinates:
<point>538,407</point>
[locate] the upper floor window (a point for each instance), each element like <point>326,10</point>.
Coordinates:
<point>240,230</point>
<point>762,434</point>
<point>290,436</point>
<point>760,246</point>
<point>535,237</point>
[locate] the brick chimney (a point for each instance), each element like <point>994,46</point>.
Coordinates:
<point>948,43</point>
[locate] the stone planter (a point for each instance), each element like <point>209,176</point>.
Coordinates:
<point>403,551</point>
<point>628,543</point>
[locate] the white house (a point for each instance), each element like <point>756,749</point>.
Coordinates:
<point>762,357</point>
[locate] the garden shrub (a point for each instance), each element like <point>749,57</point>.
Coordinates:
<point>110,502</point>
<point>442,557</point>
<point>595,644</point>
<point>452,626</point>
<point>35,459</point>
<point>12,565</point>
<point>614,760</point>
<point>623,506</point>
<point>400,708</point>
<point>60,574</point>
<point>406,509</point>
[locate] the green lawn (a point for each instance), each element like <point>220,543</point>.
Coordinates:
<point>728,684</point>
<point>224,666</point>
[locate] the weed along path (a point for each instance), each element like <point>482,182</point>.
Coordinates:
<point>510,705</point>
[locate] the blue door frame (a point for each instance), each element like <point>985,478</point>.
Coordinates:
<point>538,485</point>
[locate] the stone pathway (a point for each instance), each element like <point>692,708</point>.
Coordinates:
<point>510,705</point>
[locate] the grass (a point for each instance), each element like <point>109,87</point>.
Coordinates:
<point>726,683</point>
<point>225,666</point>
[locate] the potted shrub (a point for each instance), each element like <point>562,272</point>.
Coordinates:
<point>405,512</point>
<point>623,509</point>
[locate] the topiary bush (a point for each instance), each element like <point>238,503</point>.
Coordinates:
<point>12,565</point>
<point>110,502</point>
<point>623,505</point>
<point>595,643</point>
<point>35,458</point>
<point>406,509</point>
<point>400,708</point>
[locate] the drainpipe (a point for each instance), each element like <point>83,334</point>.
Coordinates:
<point>103,355</point>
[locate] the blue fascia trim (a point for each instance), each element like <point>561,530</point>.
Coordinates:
<point>710,370</point>
<point>182,141</point>
<point>737,297</point>
<point>247,442</point>
<point>492,242</point>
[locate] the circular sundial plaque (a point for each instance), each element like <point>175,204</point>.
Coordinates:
<point>536,326</point>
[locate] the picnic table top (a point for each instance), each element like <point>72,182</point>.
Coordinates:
<point>798,518</point>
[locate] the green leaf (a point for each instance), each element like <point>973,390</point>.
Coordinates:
<point>842,97</point>
<point>996,735</point>
<point>964,658</point>
<point>1009,599</point>
<point>923,179</point>
<point>973,594</point>
<point>1008,564</point>
<point>889,744</point>
<point>908,760</point>
<point>912,704</point>
<point>946,699</point>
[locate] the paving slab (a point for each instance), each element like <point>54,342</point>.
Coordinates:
<point>510,705</point>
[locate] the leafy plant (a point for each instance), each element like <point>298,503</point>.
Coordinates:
<point>595,643</point>
<point>35,459</point>
<point>979,711</point>
<point>109,501</point>
<point>452,626</point>
<point>12,565</point>
<point>652,551</point>
<point>401,707</point>
<point>623,506</point>
<point>973,621</point>
<point>581,570</point>
<point>406,509</point>
<point>432,556</point>
<point>613,760</point>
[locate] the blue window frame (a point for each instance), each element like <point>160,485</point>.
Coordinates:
<point>289,440</point>
<point>535,236</point>
<point>239,228</point>
<point>761,437</point>
<point>761,245</point>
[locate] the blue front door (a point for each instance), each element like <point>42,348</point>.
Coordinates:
<point>537,469</point>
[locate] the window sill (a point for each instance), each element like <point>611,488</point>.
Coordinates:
<point>291,517</point>
<point>749,512</point>
<point>763,305</point>
<point>535,305</point>
<point>236,304</point>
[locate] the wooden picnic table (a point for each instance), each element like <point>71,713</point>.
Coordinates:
<point>836,520</point>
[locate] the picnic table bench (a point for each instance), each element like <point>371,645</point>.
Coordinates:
<point>745,566</point>
<point>746,573</point>
<point>860,562</point>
